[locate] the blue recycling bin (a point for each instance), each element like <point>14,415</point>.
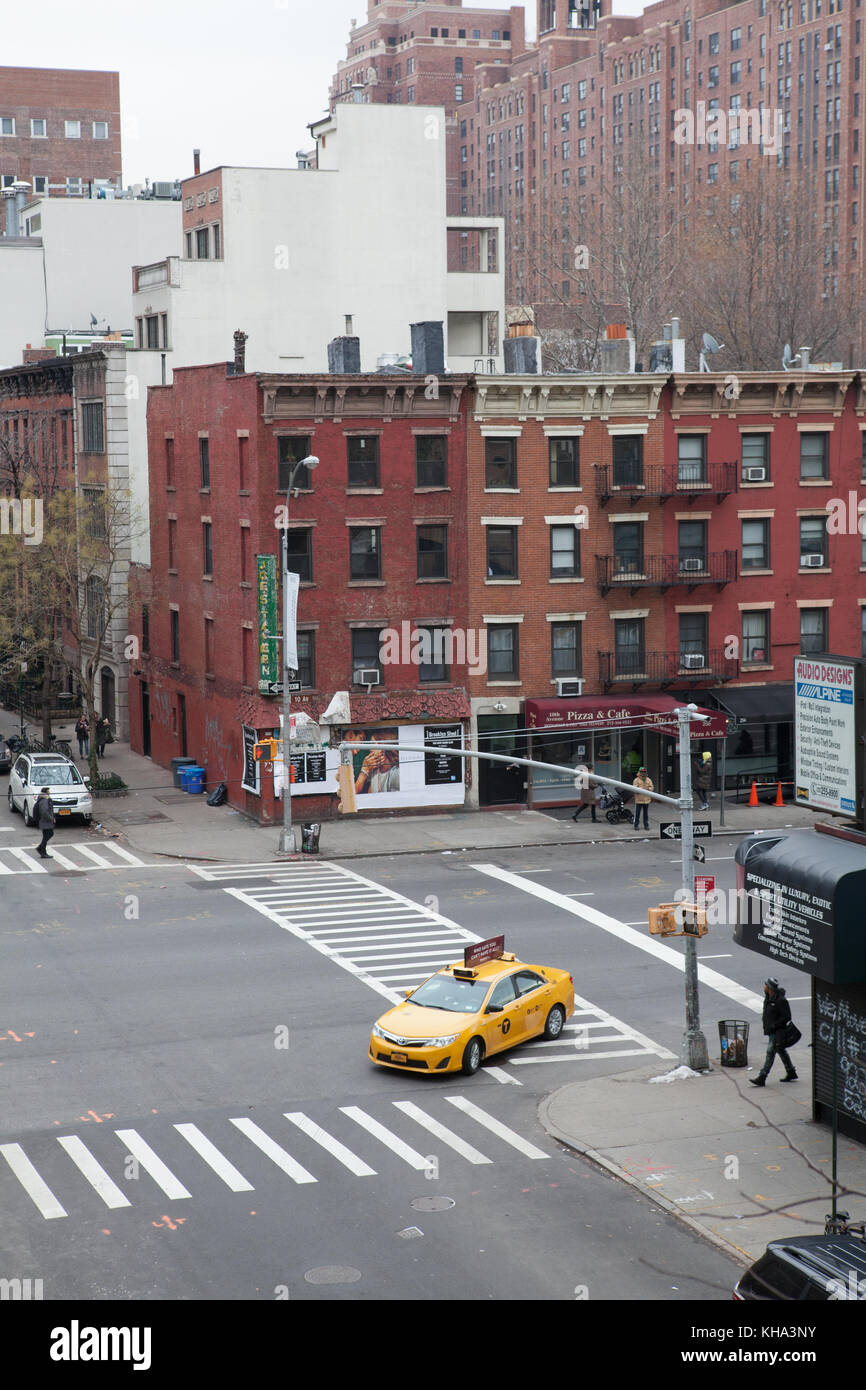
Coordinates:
<point>194,780</point>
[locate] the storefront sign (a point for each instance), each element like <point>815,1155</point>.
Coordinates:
<point>653,712</point>
<point>439,769</point>
<point>250,781</point>
<point>269,666</point>
<point>827,711</point>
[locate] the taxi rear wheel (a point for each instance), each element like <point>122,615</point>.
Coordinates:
<point>472,1056</point>
<point>555,1022</point>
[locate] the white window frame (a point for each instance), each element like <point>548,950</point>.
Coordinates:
<point>72,135</point>
<point>100,123</point>
<point>9,134</point>
<point>35,134</point>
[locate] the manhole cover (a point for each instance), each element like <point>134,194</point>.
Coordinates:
<point>333,1274</point>
<point>432,1203</point>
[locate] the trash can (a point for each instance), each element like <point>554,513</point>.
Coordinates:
<point>194,780</point>
<point>734,1042</point>
<point>176,765</point>
<point>310,833</point>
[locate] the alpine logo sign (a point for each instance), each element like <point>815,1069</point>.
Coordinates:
<point>828,717</point>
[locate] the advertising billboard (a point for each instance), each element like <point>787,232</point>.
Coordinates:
<point>828,709</point>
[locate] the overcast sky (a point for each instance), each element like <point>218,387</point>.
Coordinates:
<point>239,79</point>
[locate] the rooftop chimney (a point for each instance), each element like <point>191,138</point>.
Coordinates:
<point>196,161</point>
<point>12,228</point>
<point>344,356</point>
<point>805,358</point>
<point>428,348</point>
<point>522,356</point>
<point>240,351</point>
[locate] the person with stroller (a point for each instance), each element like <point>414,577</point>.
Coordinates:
<point>589,793</point>
<point>642,784</point>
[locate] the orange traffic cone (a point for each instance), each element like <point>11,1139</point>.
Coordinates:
<point>753,799</point>
<point>778,801</point>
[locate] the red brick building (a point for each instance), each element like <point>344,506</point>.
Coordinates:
<point>59,130</point>
<point>378,537</point>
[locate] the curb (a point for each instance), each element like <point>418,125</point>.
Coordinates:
<point>657,1198</point>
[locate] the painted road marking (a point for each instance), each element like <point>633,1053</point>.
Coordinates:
<point>442,1132</point>
<point>321,1136</point>
<point>214,1159</point>
<point>386,1137</point>
<point>508,1136</point>
<point>31,1181</point>
<point>94,1172</point>
<point>273,1150</point>
<point>720,983</point>
<point>64,857</point>
<point>152,1164</point>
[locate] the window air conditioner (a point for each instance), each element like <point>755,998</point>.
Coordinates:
<point>693,660</point>
<point>757,473</point>
<point>570,687</point>
<point>811,561</point>
<point>366,676</point>
<point>692,565</point>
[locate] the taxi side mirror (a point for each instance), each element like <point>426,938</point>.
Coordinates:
<point>408,993</point>
<point>494,1009</point>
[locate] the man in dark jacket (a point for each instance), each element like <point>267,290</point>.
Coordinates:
<point>44,817</point>
<point>777,1014</point>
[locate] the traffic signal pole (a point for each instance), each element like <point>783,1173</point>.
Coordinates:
<point>693,1050</point>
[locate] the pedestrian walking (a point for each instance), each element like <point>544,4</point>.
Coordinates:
<point>588,793</point>
<point>641,801</point>
<point>781,1031</point>
<point>82,733</point>
<point>44,817</point>
<point>103,734</point>
<point>703,778</point>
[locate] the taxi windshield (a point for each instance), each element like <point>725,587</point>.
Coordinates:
<point>457,996</point>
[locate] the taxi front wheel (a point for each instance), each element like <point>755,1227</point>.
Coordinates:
<point>555,1022</point>
<point>472,1056</point>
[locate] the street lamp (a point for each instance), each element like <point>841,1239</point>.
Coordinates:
<point>287,838</point>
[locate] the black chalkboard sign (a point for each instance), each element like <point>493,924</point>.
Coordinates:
<point>850,1001</point>
<point>316,769</point>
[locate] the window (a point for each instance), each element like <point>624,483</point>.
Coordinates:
<point>188,239</point>
<point>500,463</point>
<point>207,547</point>
<point>172,546</point>
<point>458,92</point>
<point>565,649</point>
<point>433,647</point>
<point>814,455</point>
<point>755,544</point>
<point>628,460</point>
<point>501,552</point>
<point>202,243</point>
<point>712,77</point>
<point>628,547</point>
<point>299,552</point>
<point>693,639</point>
<point>564,455</point>
<point>736,72</point>
<point>629,648</point>
<point>307,659</point>
<point>40,183</point>
<point>755,457</point>
<point>692,538</point>
<point>863,457</point>
<point>756,636</point>
<point>813,542</point>
<point>362,452</point>
<point>432,551</point>
<point>365,652</point>
<point>217,252</point>
<point>204,462</point>
<point>39,128</point>
<point>95,606</point>
<point>145,630</point>
<point>73,186</point>
<point>564,552</point>
<point>175,636</point>
<point>7,125</point>
<point>73,130</point>
<point>503,651</point>
<point>431,460</point>
<point>208,646</point>
<point>151,330</point>
<point>863,631</point>
<point>100,130</point>
<point>290,451</point>
<point>365,552</point>
<point>736,38</point>
<point>94,503</point>
<point>691,458</point>
<point>713,43</point>
<point>92,428</point>
<point>813,631</point>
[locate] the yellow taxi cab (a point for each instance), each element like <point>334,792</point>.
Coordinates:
<point>470,1011</point>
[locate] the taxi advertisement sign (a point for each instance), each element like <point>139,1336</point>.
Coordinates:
<point>491,949</point>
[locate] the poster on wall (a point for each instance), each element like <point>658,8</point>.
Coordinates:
<point>439,769</point>
<point>388,778</point>
<point>377,769</point>
<point>251,781</point>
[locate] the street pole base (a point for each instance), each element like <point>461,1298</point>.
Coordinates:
<point>287,842</point>
<point>693,1051</point>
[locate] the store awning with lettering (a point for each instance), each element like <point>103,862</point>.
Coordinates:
<point>758,704</point>
<point>629,712</point>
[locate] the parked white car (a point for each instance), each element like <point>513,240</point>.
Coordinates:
<point>69,791</point>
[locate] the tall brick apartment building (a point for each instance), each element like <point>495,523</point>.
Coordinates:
<point>59,130</point>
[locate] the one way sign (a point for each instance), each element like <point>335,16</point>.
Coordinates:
<point>672,830</point>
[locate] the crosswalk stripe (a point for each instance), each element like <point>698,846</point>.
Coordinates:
<point>152,1164</point>
<point>102,1184</point>
<point>32,1183</point>
<point>97,859</point>
<point>65,863</point>
<point>331,939</point>
<point>24,857</point>
<point>321,1136</point>
<point>386,1137</point>
<point>273,1150</point>
<point>496,1127</point>
<point>214,1159</point>
<point>442,1132</point>
<point>580,1056</point>
<point>124,854</point>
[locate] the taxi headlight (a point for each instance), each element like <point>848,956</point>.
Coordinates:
<point>377,1031</point>
<point>442,1042</point>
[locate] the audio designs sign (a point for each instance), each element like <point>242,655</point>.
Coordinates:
<point>828,707</point>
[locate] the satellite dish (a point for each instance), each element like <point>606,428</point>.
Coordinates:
<point>787,359</point>
<point>710,344</point>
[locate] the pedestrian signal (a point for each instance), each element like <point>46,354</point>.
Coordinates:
<point>266,749</point>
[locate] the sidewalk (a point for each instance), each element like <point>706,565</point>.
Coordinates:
<point>703,1147</point>
<point>158,818</point>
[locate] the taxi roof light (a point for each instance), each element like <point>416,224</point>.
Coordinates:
<point>465,973</point>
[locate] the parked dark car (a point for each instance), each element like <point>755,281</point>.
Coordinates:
<point>807,1268</point>
<point>5,755</point>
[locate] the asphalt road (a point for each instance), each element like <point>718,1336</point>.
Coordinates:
<point>189,1111</point>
